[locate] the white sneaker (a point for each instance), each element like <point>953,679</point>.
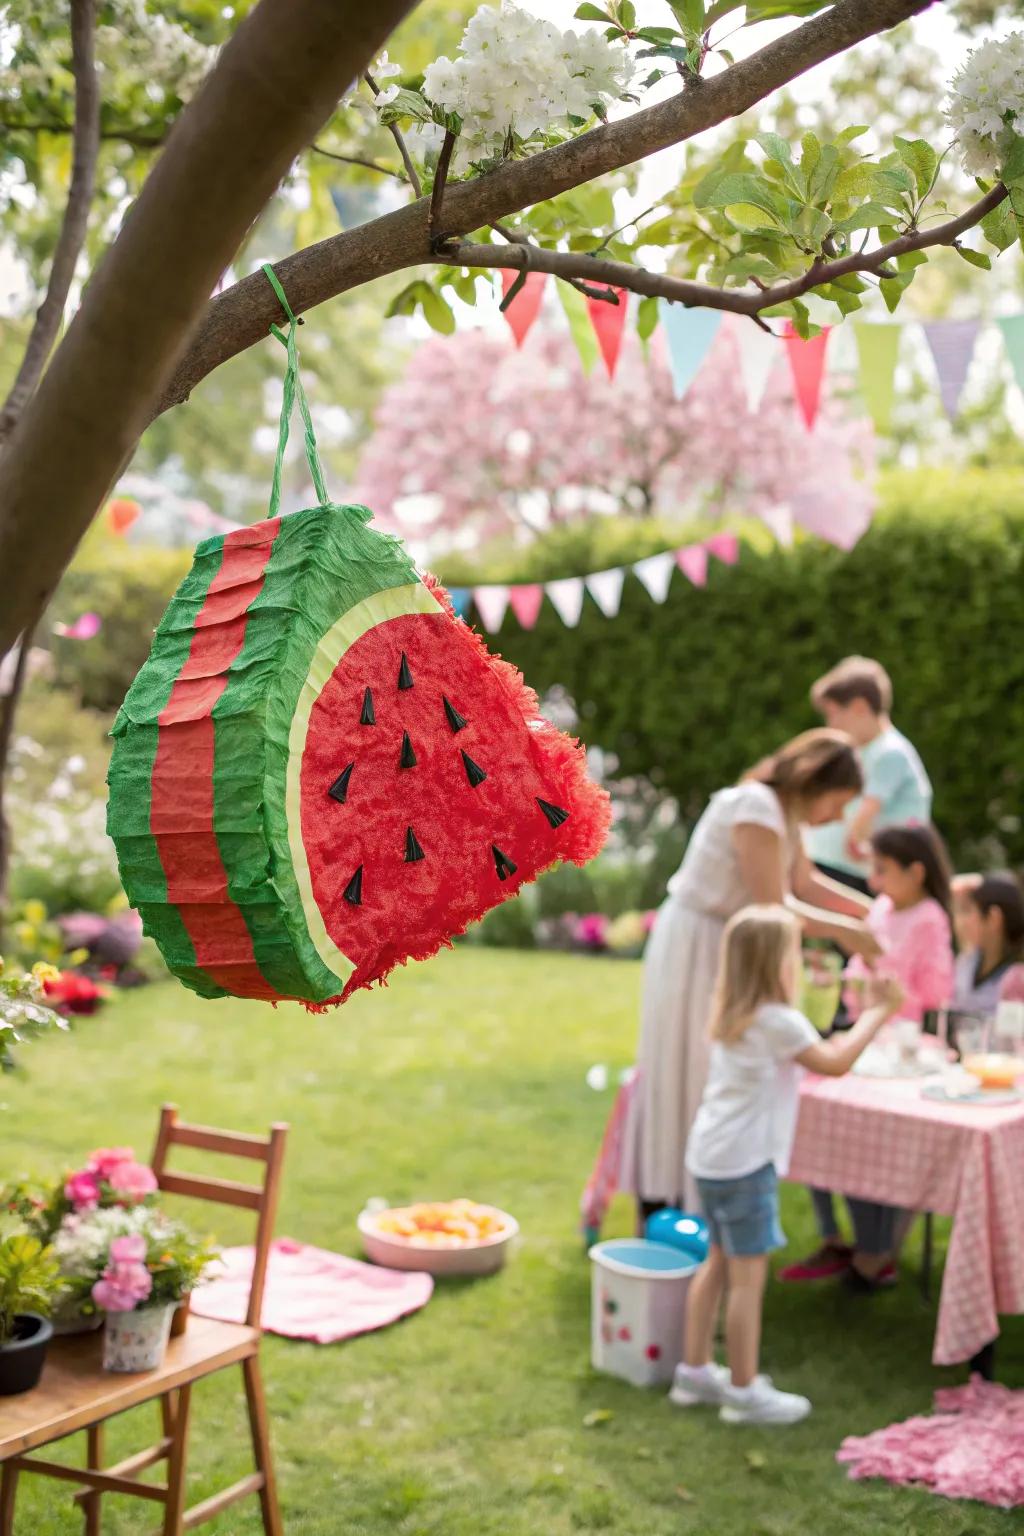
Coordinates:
<point>763,1403</point>
<point>693,1384</point>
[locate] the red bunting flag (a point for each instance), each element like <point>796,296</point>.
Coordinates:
<point>724,547</point>
<point>525,603</point>
<point>807,364</point>
<point>609,322</point>
<point>525,307</point>
<point>122,512</point>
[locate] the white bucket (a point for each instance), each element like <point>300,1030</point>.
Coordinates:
<point>637,1306</point>
<point>137,1341</point>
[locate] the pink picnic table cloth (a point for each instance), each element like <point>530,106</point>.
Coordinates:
<point>879,1139</point>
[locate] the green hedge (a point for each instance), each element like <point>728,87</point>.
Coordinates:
<point>693,691</point>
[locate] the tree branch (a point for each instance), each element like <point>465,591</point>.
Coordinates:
<point>241,316</point>
<point>368,165</point>
<point>577,266</point>
<point>411,173</point>
<point>75,223</point>
<point>134,136</point>
<point>273,87</point>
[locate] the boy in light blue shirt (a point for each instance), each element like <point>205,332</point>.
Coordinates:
<point>856,697</point>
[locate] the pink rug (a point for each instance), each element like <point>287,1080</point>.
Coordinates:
<point>971,1447</point>
<point>312,1294</point>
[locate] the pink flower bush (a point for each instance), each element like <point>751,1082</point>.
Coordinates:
<point>126,1282</point>
<point>83,1189</point>
<point>592,930</point>
<point>111,1177</point>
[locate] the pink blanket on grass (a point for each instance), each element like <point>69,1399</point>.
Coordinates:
<point>312,1294</point>
<point>971,1447</point>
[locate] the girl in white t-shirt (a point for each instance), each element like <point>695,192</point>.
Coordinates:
<point>740,1145</point>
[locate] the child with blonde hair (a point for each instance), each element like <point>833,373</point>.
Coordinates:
<point>739,1147</point>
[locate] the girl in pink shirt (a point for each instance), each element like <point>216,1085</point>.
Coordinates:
<point>910,917</point>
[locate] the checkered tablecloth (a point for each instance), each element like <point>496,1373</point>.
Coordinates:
<point>880,1140</point>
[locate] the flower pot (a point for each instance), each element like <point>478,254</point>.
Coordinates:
<point>136,1341</point>
<point>21,1360</point>
<point>68,1318</point>
<point>179,1322</point>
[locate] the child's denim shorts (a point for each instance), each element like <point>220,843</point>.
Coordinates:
<point>743,1214</point>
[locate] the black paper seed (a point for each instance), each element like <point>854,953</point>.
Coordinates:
<point>368,717</point>
<point>408,757</point>
<point>404,675</point>
<point>502,863</point>
<point>339,789</point>
<point>413,851</point>
<point>354,890</point>
<point>474,773</point>
<point>554,813</point>
<point>455,720</point>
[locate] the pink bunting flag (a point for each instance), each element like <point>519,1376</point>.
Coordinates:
<point>724,547</point>
<point>609,322</point>
<point>693,562</point>
<point>85,627</point>
<point>525,603</point>
<point>525,307</point>
<point>807,364</point>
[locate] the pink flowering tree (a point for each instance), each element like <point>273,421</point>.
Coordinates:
<point>480,436</point>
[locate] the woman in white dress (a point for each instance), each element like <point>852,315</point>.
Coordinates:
<point>745,848</point>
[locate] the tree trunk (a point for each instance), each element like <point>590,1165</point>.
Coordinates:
<point>75,223</point>
<point>8,710</point>
<point>275,84</point>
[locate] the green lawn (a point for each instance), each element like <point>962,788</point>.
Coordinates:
<point>467,1076</point>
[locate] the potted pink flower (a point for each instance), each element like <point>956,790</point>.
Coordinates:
<point>136,1335</point>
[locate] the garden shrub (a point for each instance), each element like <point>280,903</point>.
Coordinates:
<point>693,691</point>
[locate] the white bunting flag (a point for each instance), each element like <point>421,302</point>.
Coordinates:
<point>759,354</point>
<point>780,520</point>
<point>567,596</point>
<point>605,588</point>
<point>656,574</point>
<point>491,603</point>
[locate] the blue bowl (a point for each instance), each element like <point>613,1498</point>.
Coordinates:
<point>679,1230</point>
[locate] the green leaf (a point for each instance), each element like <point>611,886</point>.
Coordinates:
<point>1017,203</point>
<point>845,301</point>
<point>646,317</point>
<point>921,161</point>
<point>852,184</point>
<point>910,260</point>
<point>822,179</point>
<point>407,104</point>
<point>405,302</point>
<point>591,13</point>
<point>867,216</point>
<point>999,227</point>
<point>1013,164</point>
<point>848,134</point>
<point>771,10</point>
<point>893,289</point>
<point>436,311</point>
<point>657,34</point>
<point>752,220</point>
<point>717,191</point>
<point>974,258</point>
<point>627,14</point>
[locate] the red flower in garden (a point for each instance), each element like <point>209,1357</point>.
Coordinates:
<point>73,993</point>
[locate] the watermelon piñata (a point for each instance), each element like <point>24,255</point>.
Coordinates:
<point>320,772</point>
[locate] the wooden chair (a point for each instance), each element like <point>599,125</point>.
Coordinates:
<point>76,1393</point>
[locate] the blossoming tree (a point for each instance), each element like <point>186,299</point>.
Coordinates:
<point>498,439</point>
<point>493,144</point>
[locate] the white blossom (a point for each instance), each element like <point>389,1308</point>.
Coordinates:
<point>986,103</point>
<point>518,73</point>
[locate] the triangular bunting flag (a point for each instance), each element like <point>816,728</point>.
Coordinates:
<point>609,321</point>
<point>877,348</point>
<point>952,347</point>
<point>605,588</point>
<point>567,596</point>
<point>839,519</point>
<point>692,560</point>
<point>759,353</point>
<point>1012,328</point>
<point>491,603</point>
<point>525,307</point>
<point>526,603</point>
<point>724,547</point>
<point>780,520</point>
<point>807,364</point>
<point>688,334</point>
<point>656,574</point>
<point>580,328</point>
<point>461,598</point>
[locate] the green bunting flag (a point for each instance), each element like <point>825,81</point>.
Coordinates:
<point>877,349</point>
<point>1012,327</point>
<point>580,328</point>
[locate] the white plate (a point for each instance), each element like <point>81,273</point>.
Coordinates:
<point>987,1097</point>
<point>876,1061</point>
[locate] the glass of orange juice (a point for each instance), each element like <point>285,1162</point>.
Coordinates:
<point>993,1069</point>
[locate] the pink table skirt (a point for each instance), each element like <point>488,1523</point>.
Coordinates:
<point>880,1140</point>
